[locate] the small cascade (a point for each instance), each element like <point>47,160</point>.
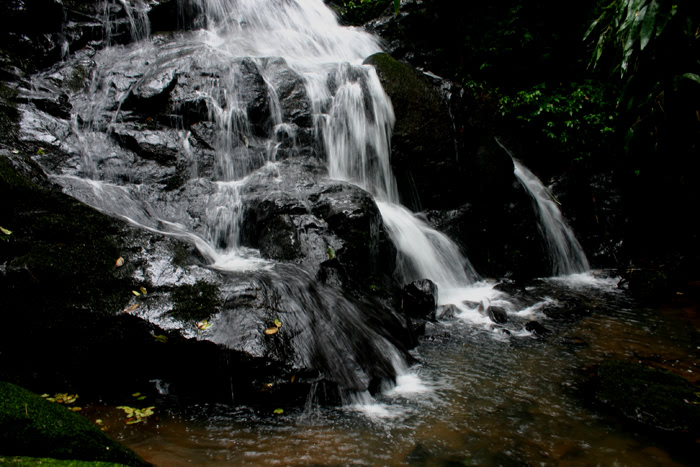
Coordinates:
<point>136,14</point>
<point>565,253</point>
<point>357,139</point>
<point>426,253</point>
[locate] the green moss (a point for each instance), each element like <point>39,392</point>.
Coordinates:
<point>32,426</point>
<point>195,302</point>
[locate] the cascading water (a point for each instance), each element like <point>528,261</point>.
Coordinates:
<point>265,80</point>
<point>565,253</point>
<point>261,77</point>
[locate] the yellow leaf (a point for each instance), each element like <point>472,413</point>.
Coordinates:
<point>5,231</point>
<point>143,290</point>
<point>160,338</point>
<point>76,409</point>
<point>120,262</point>
<point>272,330</point>
<point>131,308</point>
<point>136,293</point>
<point>203,325</point>
<point>278,411</point>
<point>278,323</point>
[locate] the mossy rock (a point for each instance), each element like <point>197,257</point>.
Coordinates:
<point>653,398</point>
<point>423,153</point>
<point>32,426</point>
<point>196,302</point>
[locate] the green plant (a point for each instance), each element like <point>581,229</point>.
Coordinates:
<point>652,47</point>
<point>574,118</point>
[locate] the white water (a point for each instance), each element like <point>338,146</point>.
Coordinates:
<point>565,252</point>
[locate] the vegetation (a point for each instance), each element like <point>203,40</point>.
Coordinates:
<point>32,426</point>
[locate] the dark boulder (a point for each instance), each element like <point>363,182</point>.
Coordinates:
<point>422,144</point>
<point>419,299</point>
<point>497,314</point>
<point>537,329</point>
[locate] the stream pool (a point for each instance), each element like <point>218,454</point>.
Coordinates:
<point>479,396</point>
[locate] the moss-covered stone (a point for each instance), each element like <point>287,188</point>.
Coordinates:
<point>424,159</point>
<point>196,302</point>
<point>32,426</point>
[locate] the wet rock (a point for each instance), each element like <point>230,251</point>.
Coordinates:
<point>653,398</point>
<point>537,329</point>
<point>162,147</point>
<point>447,313</point>
<point>497,314</point>
<point>254,93</point>
<point>419,299</point>
<point>291,91</point>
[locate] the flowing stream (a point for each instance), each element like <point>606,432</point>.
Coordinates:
<point>485,392</point>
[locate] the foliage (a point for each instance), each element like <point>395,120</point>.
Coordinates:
<point>652,46</point>
<point>574,118</point>
<point>627,27</point>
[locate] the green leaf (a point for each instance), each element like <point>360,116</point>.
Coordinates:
<point>278,411</point>
<point>397,4</point>
<point>692,77</point>
<point>278,323</point>
<point>5,231</point>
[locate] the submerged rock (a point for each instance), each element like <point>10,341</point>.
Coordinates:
<point>649,397</point>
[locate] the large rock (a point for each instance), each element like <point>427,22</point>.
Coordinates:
<point>422,145</point>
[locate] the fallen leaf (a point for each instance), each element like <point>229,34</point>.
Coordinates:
<point>160,338</point>
<point>272,330</point>
<point>5,231</point>
<point>143,290</point>
<point>138,294</point>
<point>278,411</point>
<point>203,325</point>
<point>132,308</point>
<point>278,323</point>
<point>120,262</point>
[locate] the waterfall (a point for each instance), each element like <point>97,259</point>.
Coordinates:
<point>173,132</point>
<point>565,253</point>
